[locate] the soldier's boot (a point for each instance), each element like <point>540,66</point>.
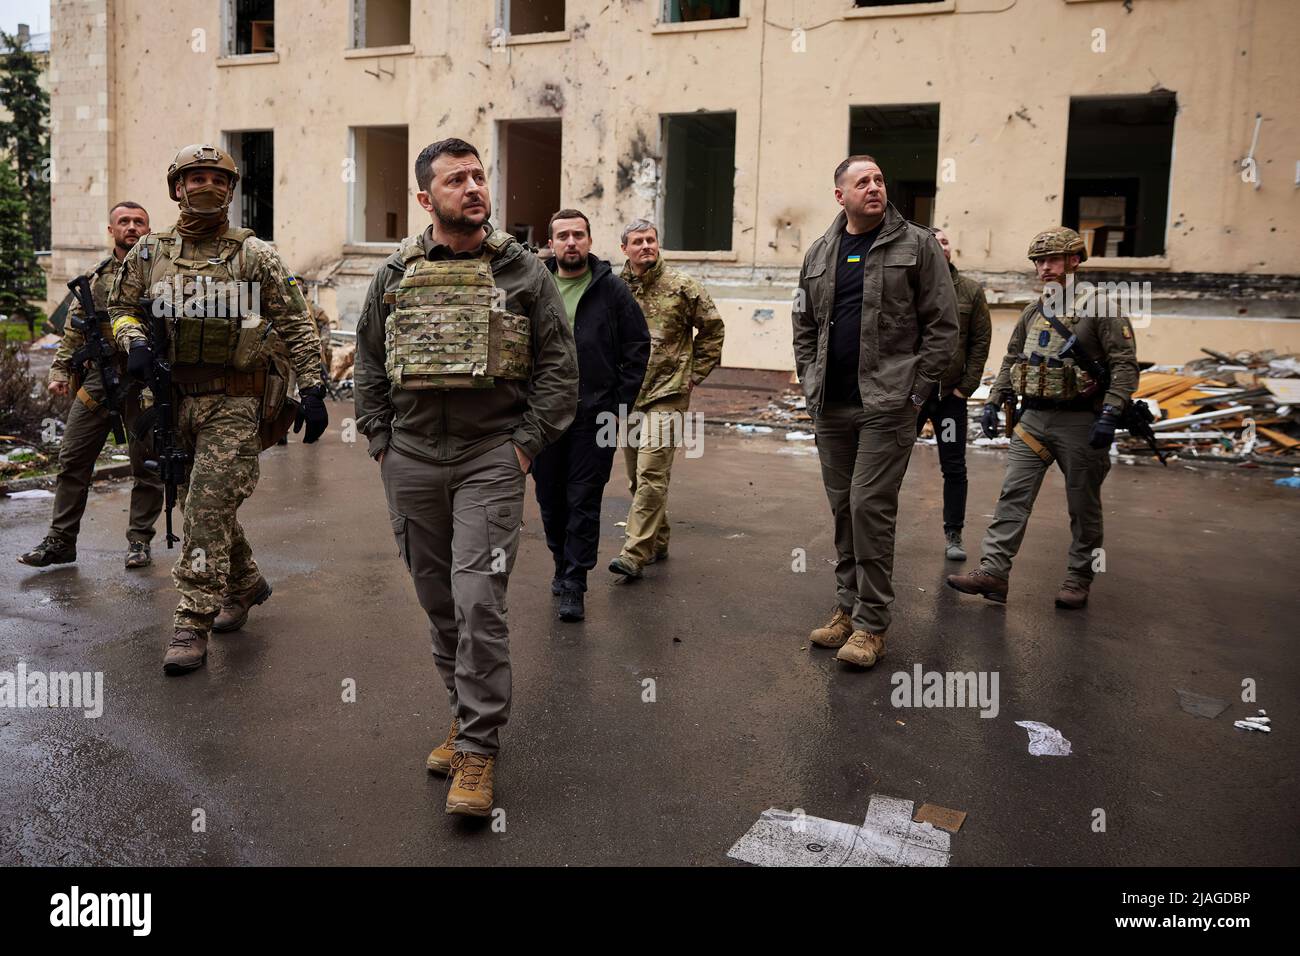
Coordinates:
<point>625,566</point>
<point>571,602</point>
<point>982,583</point>
<point>235,607</point>
<point>186,652</point>
<point>953,550</point>
<point>137,555</point>
<point>439,760</point>
<point>862,649</point>
<point>52,550</point>
<point>471,784</point>
<point>1073,596</point>
<point>834,632</point>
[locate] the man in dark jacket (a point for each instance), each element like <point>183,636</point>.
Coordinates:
<point>875,324</point>
<point>946,408</point>
<point>453,458</point>
<point>613,345</point>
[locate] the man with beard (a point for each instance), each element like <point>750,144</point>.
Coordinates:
<point>613,345</point>
<point>88,421</point>
<point>465,371</point>
<point>220,291</point>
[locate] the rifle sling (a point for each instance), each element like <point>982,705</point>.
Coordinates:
<point>86,399</point>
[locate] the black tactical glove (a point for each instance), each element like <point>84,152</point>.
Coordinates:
<point>312,411</point>
<point>139,360</point>
<point>989,420</point>
<point>1103,429</point>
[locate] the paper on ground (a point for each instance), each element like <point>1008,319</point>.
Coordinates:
<point>32,493</point>
<point>888,837</point>
<point>1045,741</point>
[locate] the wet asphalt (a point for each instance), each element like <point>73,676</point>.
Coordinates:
<point>1198,593</point>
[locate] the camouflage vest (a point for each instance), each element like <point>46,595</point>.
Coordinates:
<point>1041,372</point>
<point>446,330</point>
<point>208,325</point>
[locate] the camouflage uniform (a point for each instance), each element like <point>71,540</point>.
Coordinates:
<point>323,326</point>
<point>686,334</point>
<point>220,429</point>
<point>88,428</point>
<point>1052,429</point>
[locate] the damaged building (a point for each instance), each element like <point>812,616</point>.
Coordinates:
<point>1164,130</point>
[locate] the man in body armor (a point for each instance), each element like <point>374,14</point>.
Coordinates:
<point>1069,416</point>
<point>219,292</point>
<point>465,371</point>
<point>89,425</point>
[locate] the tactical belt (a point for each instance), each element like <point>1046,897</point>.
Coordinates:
<point>231,382</point>
<point>1033,444</point>
<point>1080,403</point>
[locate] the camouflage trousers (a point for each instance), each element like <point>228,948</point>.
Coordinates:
<point>215,559</point>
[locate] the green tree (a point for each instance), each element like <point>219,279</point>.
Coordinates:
<point>26,135</point>
<point>21,279</point>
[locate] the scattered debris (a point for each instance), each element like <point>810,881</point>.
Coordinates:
<point>32,493</point>
<point>1200,705</point>
<point>1045,741</point>
<point>942,817</point>
<point>1292,481</point>
<point>799,436</point>
<point>1260,722</point>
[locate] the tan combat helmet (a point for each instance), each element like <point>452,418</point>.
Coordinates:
<point>1059,241</point>
<point>201,156</point>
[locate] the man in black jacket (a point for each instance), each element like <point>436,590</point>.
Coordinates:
<point>613,348</point>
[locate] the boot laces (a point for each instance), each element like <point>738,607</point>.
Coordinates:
<point>471,767</point>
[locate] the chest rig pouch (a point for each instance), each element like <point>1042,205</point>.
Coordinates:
<point>213,317</point>
<point>446,329</point>
<point>1042,373</point>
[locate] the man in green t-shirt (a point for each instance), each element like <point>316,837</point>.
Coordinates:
<point>613,349</point>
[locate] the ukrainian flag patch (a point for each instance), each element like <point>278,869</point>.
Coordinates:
<point>853,259</point>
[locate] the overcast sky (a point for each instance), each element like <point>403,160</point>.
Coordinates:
<point>34,13</point>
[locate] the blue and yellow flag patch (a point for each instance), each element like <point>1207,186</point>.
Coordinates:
<point>854,258</point>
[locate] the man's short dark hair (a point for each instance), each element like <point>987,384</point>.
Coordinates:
<point>566,214</point>
<point>843,167</point>
<point>125,204</point>
<point>424,162</point>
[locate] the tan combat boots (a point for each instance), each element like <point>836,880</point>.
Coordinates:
<point>471,784</point>
<point>439,760</point>
<point>834,632</point>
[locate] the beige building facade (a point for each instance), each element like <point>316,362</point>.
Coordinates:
<point>1167,131</point>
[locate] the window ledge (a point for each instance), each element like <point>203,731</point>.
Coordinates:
<point>699,255</point>
<point>249,59</point>
<point>696,26</point>
<point>1125,262</point>
<point>362,52</point>
<point>524,39</point>
<point>370,248</point>
<point>901,10</point>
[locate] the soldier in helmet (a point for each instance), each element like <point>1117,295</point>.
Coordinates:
<point>1069,416</point>
<point>466,369</point>
<point>221,291</point>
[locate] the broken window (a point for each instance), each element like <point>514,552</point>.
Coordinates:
<point>379,184</point>
<point>529,176</point>
<point>254,154</point>
<point>1117,162</point>
<point>699,180</point>
<point>531,16</point>
<point>905,143</point>
<point>250,26</point>
<point>684,11</point>
<point>379,23</point>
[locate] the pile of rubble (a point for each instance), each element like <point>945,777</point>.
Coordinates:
<point>1243,407</point>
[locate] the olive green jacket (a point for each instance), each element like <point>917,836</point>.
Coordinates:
<point>686,331</point>
<point>452,425</point>
<point>974,335</point>
<point>909,314</point>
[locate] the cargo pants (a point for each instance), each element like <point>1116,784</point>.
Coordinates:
<point>649,467</point>
<point>83,439</point>
<point>864,456</point>
<point>216,558</point>
<point>1065,435</point>
<point>457,530</point>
